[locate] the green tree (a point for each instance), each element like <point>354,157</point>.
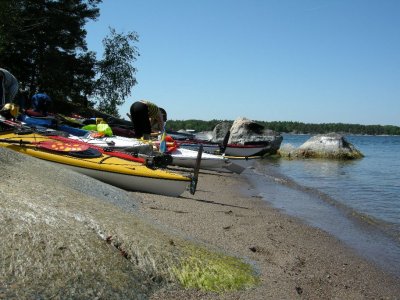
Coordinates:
<point>43,43</point>
<point>117,73</point>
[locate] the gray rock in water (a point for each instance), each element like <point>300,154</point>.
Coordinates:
<point>219,132</point>
<point>331,145</point>
<point>244,132</point>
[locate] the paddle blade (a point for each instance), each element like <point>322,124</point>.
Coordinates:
<point>163,144</point>
<point>195,178</point>
<point>89,153</point>
<point>235,168</point>
<point>62,146</point>
<point>50,145</point>
<point>225,142</point>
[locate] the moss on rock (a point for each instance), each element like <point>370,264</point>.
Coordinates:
<point>210,271</point>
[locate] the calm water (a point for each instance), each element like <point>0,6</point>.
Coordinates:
<point>357,201</point>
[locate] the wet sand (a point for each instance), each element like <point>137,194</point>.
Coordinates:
<point>293,259</point>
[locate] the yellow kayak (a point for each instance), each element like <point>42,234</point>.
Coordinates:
<point>128,175</point>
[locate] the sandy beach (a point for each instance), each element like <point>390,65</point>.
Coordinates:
<point>293,260</point>
<point>68,236</point>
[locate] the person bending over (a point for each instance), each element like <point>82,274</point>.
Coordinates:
<point>144,115</point>
<point>41,103</point>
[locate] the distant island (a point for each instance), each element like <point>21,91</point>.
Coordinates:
<point>292,127</point>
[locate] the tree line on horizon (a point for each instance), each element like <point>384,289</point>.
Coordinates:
<point>291,127</point>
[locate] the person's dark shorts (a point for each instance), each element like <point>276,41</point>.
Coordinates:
<point>140,119</point>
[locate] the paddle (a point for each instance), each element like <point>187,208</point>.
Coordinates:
<point>108,151</point>
<point>195,177</point>
<point>9,122</point>
<point>225,141</point>
<point>163,143</point>
<point>235,168</point>
<point>50,145</point>
<point>58,146</point>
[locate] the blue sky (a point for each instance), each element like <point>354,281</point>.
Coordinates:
<point>267,60</point>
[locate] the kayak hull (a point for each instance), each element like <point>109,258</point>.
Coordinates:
<point>245,150</point>
<point>187,158</point>
<point>207,147</point>
<point>231,149</point>
<point>162,186</point>
<point>128,175</point>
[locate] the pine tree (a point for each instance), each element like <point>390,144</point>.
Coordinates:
<point>42,42</point>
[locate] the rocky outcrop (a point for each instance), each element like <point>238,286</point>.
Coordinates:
<point>69,236</point>
<point>246,132</point>
<point>331,145</point>
<point>219,132</point>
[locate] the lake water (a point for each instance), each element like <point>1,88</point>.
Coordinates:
<point>357,201</point>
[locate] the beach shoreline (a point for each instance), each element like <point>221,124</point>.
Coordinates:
<point>293,259</point>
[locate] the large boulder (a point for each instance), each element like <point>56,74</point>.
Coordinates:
<point>331,145</point>
<point>219,132</point>
<point>245,132</point>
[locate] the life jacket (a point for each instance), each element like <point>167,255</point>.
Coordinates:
<point>101,127</point>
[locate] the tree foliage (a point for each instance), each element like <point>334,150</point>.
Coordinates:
<point>197,125</point>
<point>293,127</point>
<point>43,43</point>
<point>117,74</point>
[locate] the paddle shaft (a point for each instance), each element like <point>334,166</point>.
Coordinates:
<point>20,142</point>
<point>225,141</point>
<point>195,178</point>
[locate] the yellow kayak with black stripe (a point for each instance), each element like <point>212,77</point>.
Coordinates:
<point>128,175</point>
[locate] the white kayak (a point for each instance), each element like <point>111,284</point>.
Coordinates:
<point>113,142</point>
<point>180,156</point>
<point>187,158</point>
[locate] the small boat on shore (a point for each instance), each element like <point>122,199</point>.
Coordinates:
<point>246,150</point>
<point>237,150</point>
<point>128,175</point>
<point>208,147</point>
